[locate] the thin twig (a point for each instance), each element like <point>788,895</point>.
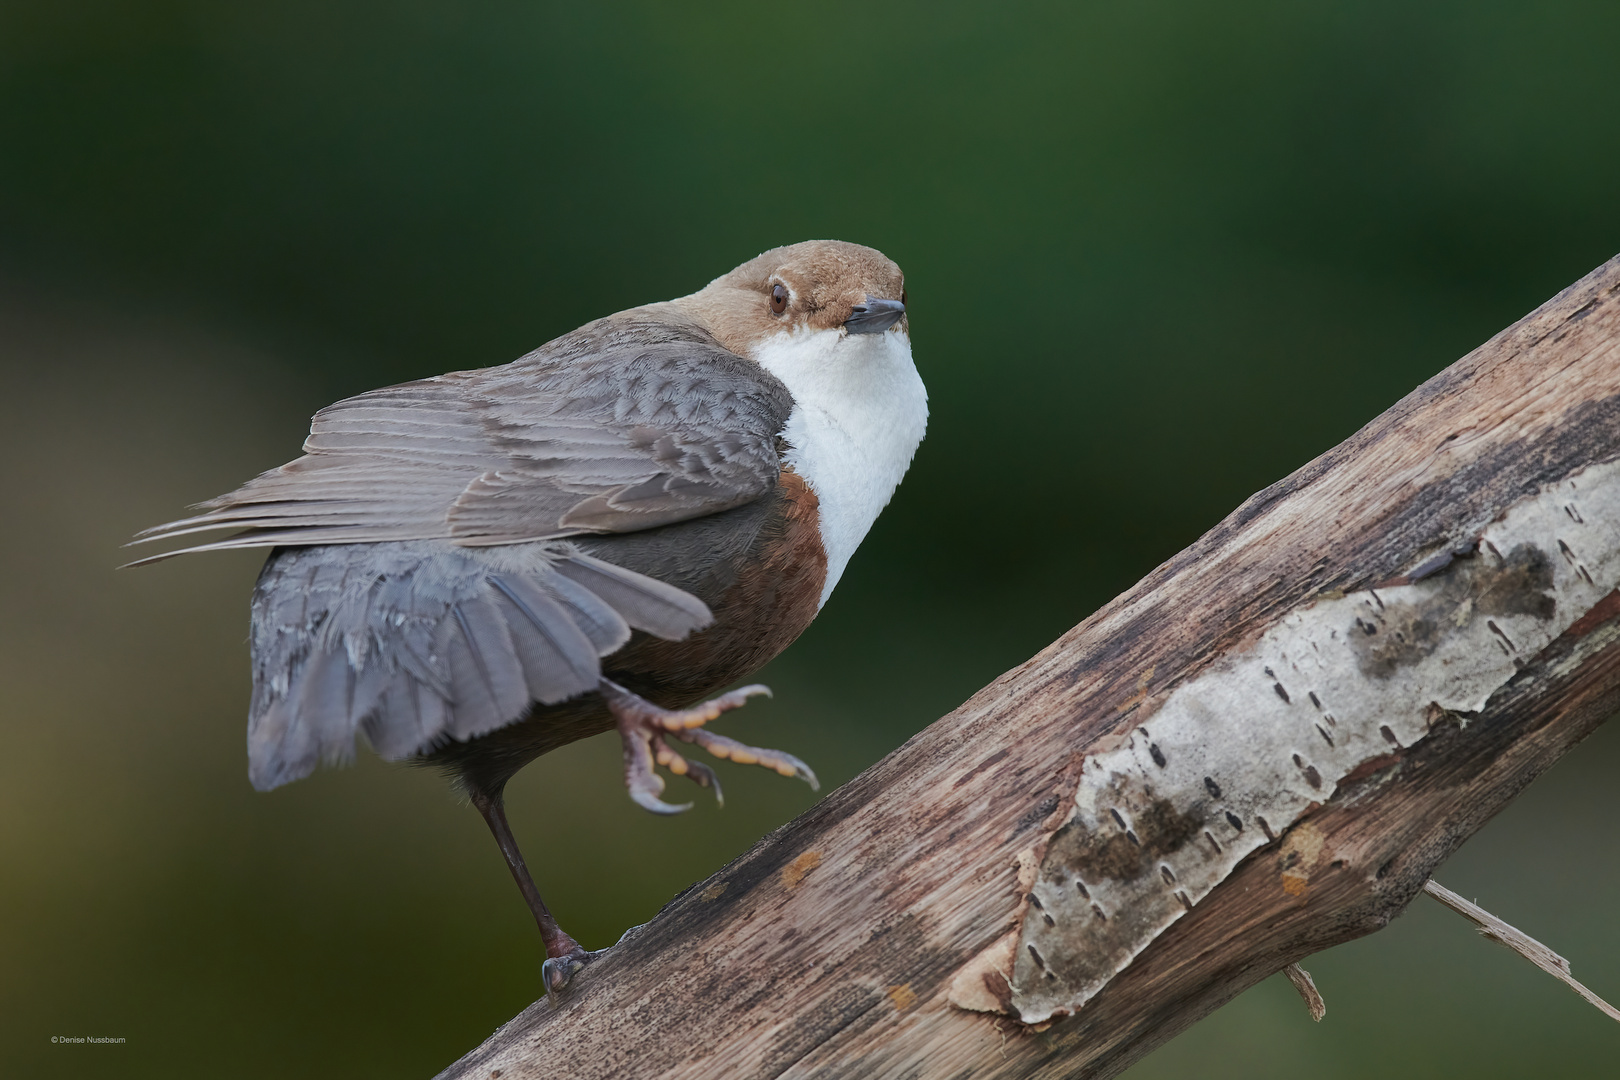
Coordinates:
<point>1517,940</point>
<point>1307,989</point>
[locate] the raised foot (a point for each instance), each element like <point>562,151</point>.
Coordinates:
<point>644,727</point>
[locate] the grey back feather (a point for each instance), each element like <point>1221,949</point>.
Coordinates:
<point>637,420</point>
<point>411,644</point>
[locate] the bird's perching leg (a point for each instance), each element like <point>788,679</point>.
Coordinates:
<point>564,955</point>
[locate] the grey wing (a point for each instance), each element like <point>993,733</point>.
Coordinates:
<point>626,424</point>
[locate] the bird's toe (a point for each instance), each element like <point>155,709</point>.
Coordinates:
<point>558,971</point>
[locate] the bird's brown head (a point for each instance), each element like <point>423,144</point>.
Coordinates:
<point>815,285</point>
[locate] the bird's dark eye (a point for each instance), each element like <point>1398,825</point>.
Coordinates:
<point>779,299</point>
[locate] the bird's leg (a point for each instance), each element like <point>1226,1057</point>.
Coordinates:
<point>564,956</point>
<point>645,728</point>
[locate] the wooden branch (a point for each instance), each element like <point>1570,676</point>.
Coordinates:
<point>1305,987</point>
<point>1261,750</point>
<point>1511,937</point>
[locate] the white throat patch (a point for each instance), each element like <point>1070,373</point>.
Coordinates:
<point>859,412</point>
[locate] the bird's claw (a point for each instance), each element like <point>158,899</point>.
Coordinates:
<point>644,784</point>
<point>648,801</point>
<point>695,771</point>
<point>703,776</point>
<point>644,728</point>
<point>558,971</point>
<point>726,749</point>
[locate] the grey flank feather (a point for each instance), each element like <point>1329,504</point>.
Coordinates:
<point>558,658</point>
<point>411,644</point>
<point>605,627</point>
<point>323,701</point>
<point>645,603</point>
<point>488,680</point>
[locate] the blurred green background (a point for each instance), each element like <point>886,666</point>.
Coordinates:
<point>1159,255</point>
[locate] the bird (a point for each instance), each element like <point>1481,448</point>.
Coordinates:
<point>470,570</point>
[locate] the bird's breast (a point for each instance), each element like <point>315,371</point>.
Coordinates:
<point>859,413</point>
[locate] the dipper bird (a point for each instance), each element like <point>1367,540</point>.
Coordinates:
<point>473,569</point>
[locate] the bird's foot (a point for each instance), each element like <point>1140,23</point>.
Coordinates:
<point>558,971</point>
<point>645,729</point>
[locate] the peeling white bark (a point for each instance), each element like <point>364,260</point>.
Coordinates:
<point>1237,755</point>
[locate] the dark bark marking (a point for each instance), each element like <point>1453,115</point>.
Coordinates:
<point>1039,813</point>
<point>1159,831</point>
<point>998,756</point>
<point>1518,584</point>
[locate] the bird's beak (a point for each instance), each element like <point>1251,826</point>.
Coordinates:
<point>873,316</point>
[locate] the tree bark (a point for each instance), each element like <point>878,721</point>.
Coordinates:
<point>1262,749</point>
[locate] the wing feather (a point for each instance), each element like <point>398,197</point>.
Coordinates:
<point>629,423</point>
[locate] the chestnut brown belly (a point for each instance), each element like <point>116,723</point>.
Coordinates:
<point>759,567</point>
